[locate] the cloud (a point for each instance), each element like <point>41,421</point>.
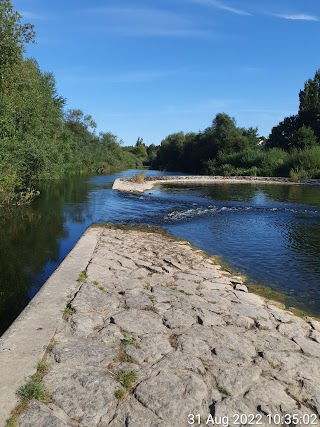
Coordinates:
<point>220,5</point>
<point>133,76</point>
<point>206,107</point>
<point>141,21</point>
<point>297,17</point>
<point>31,15</point>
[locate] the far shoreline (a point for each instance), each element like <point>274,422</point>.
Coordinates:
<point>141,184</point>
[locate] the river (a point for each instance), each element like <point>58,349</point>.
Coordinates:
<point>271,233</point>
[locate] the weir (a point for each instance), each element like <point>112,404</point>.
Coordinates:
<point>153,331</point>
<point>128,184</point>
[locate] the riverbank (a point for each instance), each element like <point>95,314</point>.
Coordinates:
<point>148,183</point>
<point>153,331</point>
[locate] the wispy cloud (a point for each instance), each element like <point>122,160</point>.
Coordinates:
<point>220,5</point>
<point>31,15</point>
<point>297,17</point>
<point>209,106</point>
<point>133,76</point>
<point>141,21</point>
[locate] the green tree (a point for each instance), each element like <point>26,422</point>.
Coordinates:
<point>13,36</point>
<point>310,96</point>
<point>309,108</point>
<point>282,135</point>
<point>37,138</point>
<point>139,141</point>
<point>80,125</point>
<point>229,138</point>
<point>32,104</point>
<point>252,135</point>
<point>304,137</point>
<point>152,152</point>
<point>170,153</point>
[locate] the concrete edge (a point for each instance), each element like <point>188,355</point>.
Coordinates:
<point>124,184</point>
<point>24,344</point>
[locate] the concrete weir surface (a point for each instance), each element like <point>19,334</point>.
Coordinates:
<point>25,342</point>
<point>158,335</point>
<point>148,183</point>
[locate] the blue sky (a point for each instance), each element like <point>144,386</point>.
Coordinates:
<point>153,67</point>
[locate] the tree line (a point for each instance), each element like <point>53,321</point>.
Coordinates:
<point>38,138</point>
<point>292,148</point>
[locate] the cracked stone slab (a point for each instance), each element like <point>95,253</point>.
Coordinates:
<point>309,347</point>
<point>82,353</point>
<point>172,396</point>
<point>157,311</point>
<point>271,396</point>
<point>132,414</point>
<point>90,299</point>
<point>179,361</point>
<point>83,396</point>
<point>39,415</point>
<point>139,322</point>
<point>177,318</point>
<point>236,381</point>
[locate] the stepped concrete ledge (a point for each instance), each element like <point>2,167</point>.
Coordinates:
<point>158,335</point>
<point>127,184</point>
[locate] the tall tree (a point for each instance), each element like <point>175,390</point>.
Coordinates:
<point>13,36</point>
<point>139,141</point>
<point>282,135</point>
<point>309,109</point>
<point>227,136</point>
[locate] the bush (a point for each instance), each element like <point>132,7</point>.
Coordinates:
<point>274,161</point>
<point>139,178</point>
<point>306,159</point>
<point>297,175</point>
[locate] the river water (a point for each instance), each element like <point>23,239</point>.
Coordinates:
<point>269,232</point>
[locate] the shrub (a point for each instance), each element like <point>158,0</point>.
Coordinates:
<point>297,175</point>
<point>139,178</point>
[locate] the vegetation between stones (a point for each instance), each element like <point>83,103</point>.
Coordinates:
<point>126,378</point>
<point>33,389</point>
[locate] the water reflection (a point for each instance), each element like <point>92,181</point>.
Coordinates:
<point>270,232</point>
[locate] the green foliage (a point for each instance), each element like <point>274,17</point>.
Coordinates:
<point>307,160</point>
<point>13,36</point>
<point>126,378</point>
<point>68,312</point>
<point>282,135</point>
<point>197,153</point>
<point>42,368</point>
<point>152,153</point>
<point>224,391</point>
<point>12,422</point>
<point>33,389</point>
<point>301,130</point>
<point>224,149</point>
<point>309,108</point>
<point>38,140</point>
<point>297,175</point>
<point>126,340</point>
<point>82,276</point>
<point>304,137</point>
<point>119,393</point>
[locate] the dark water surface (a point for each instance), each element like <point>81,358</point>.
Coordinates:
<point>269,232</point>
